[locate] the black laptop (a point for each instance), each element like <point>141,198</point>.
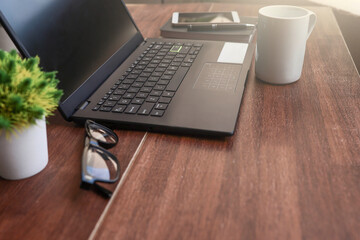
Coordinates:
<point>111,74</point>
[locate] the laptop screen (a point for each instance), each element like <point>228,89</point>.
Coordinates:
<point>74,37</point>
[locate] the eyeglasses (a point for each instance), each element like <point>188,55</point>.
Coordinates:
<point>98,164</point>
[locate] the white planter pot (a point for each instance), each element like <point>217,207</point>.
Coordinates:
<point>24,154</point>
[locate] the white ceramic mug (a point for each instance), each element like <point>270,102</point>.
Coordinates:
<point>281,42</point>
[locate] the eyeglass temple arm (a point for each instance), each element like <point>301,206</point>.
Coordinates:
<point>102,191</point>
<point>99,189</point>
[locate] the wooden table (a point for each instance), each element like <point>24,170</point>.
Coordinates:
<point>291,171</point>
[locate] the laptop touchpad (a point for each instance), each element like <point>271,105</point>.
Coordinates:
<point>218,77</point>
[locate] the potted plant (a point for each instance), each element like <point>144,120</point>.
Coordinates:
<point>27,96</point>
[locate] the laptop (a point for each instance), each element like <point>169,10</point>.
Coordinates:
<point>111,74</point>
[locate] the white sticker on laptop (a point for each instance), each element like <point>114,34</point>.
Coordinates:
<point>233,53</point>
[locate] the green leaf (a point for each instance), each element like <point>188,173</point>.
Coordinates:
<point>25,85</point>
<point>2,54</point>
<point>16,102</point>
<point>13,53</point>
<point>37,111</point>
<point>31,63</point>
<point>42,84</point>
<point>4,123</point>
<point>50,75</point>
<point>4,77</point>
<point>12,65</point>
<point>57,94</point>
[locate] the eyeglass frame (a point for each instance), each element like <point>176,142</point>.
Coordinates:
<point>87,180</point>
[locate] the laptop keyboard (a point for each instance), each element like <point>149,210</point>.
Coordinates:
<point>148,86</point>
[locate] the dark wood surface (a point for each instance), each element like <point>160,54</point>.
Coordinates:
<point>291,171</point>
<point>51,205</point>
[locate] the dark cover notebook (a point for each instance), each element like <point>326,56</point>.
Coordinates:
<point>241,35</point>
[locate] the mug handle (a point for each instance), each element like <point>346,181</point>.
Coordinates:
<point>312,21</point>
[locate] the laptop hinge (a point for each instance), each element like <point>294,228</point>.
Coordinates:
<point>83,105</point>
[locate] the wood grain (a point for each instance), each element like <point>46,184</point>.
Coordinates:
<point>51,205</point>
<point>291,171</point>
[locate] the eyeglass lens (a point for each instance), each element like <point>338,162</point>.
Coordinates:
<point>101,134</point>
<point>100,165</point>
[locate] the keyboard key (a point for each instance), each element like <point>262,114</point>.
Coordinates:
<point>153,79</point>
<point>114,98</point>
<point>177,79</point>
<point>124,86</point>
<point>156,74</point>
<point>132,109</point>
<point>128,81</point>
<point>144,74</point>
<point>176,64</point>
<point>146,89</point>
<point>186,64</point>
<point>166,77</point>
<point>109,103</point>
<point>159,87</point>
<point>157,113</point>
<point>142,95</point>
<point>133,90</point>
<point>168,57</point>
<point>163,82</point>
<point>185,49</point>
<point>137,84</point>
<point>137,72</point>
<point>138,101</point>
<point>95,108</point>
<point>146,108</point>
<point>152,65</point>
<point>152,99</point>
<point>163,65</point>
<point>119,108</point>
<point>178,59</point>
<point>164,100</point>
<point>161,54</point>
<point>168,94</point>
<point>149,84</point>
<point>141,67</point>
<point>155,93</point>
<point>158,57</point>
<point>160,69</point>
<point>129,95</point>
<point>132,76</point>
<point>149,70</point>
<point>172,68</point>
<point>155,61</point>
<point>124,101</point>
<point>169,72</point>
<point>105,109</point>
<point>119,92</point>
<point>161,106</point>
